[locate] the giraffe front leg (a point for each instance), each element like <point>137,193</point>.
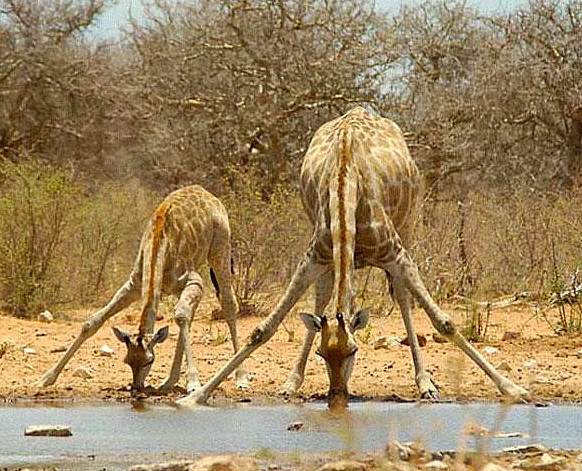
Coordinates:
<point>323,290</point>
<point>405,269</point>
<point>307,271</point>
<point>124,296</point>
<point>423,381</point>
<point>183,313</point>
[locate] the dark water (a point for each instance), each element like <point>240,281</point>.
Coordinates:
<point>106,433</point>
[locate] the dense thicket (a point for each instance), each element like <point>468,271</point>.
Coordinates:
<point>228,93</point>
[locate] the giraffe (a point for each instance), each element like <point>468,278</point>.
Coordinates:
<point>358,187</point>
<point>189,228</point>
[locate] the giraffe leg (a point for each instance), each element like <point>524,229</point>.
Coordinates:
<point>220,261</point>
<point>306,273</point>
<point>183,313</point>
<point>323,290</point>
<point>425,385</point>
<point>404,268</point>
<point>128,293</point>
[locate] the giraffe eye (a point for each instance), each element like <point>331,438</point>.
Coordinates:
<point>318,353</point>
<point>353,352</point>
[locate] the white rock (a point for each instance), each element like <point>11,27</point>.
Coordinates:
<point>48,431</point>
<point>46,316</point>
<point>490,350</point>
<point>436,464</point>
<point>83,372</point>
<point>106,351</point>
<point>493,467</point>
<point>530,364</point>
<point>29,351</point>
<point>579,354</point>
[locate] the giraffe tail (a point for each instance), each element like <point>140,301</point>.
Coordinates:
<point>154,257</point>
<point>343,194</point>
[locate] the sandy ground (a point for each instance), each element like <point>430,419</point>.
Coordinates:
<point>538,359</point>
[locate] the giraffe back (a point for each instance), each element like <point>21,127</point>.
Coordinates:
<point>379,192</point>
<point>177,240</point>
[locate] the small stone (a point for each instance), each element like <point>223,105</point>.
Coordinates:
<point>436,464</point>
<point>29,351</point>
<point>224,463</point>
<point>106,351</point>
<point>488,350</point>
<point>421,340</point>
<point>46,316</point>
<point>343,465</point>
<point>541,380</point>
<point>380,342</point>
<point>438,338</point>
<point>530,364</point>
<point>579,353</point>
<point>503,366</point>
<point>533,448</point>
<point>294,426</point>
<point>493,467</point>
<point>511,336</point>
<point>48,431</point>
<point>168,466</point>
<point>83,372</point>
<point>59,349</point>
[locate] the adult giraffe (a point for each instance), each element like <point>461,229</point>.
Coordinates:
<point>358,186</point>
<point>189,228</point>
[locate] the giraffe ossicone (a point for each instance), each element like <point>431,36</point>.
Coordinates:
<point>188,229</point>
<point>359,188</point>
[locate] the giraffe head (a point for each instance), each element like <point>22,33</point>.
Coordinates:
<point>338,348</point>
<point>140,354</point>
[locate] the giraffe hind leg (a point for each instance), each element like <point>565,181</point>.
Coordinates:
<point>183,314</point>
<point>222,267</point>
<point>305,274</point>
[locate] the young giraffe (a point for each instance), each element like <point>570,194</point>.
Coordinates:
<point>189,228</point>
<point>358,185</point>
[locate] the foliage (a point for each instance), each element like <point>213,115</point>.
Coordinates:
<point>269,235</point>
<point>58,244</point>
<point>35,208</point>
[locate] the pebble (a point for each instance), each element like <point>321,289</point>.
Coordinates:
<point>503,366</point>
<point>83,372</point>
<point>46,316</point>
<point>490,350</point>
<point>106,351</point>
<point>436,464</point>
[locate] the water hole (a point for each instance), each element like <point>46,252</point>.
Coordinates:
<point>118,435</point>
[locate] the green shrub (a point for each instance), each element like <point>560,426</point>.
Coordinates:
<point>35,207</point>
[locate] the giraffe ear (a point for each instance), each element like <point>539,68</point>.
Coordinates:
<point>360,319</point>
<point>160,335</point>
<point>122,336</point>
<point>311,321</point>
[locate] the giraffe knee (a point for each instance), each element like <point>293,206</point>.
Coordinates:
<point>445,326</point>
<point>259,336</point>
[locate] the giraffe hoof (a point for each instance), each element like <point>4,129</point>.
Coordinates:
<point>516,394</point>
<point>242,380</point>
<point>432,395</point>
<point>45,381</point>
<point>192,400</point>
